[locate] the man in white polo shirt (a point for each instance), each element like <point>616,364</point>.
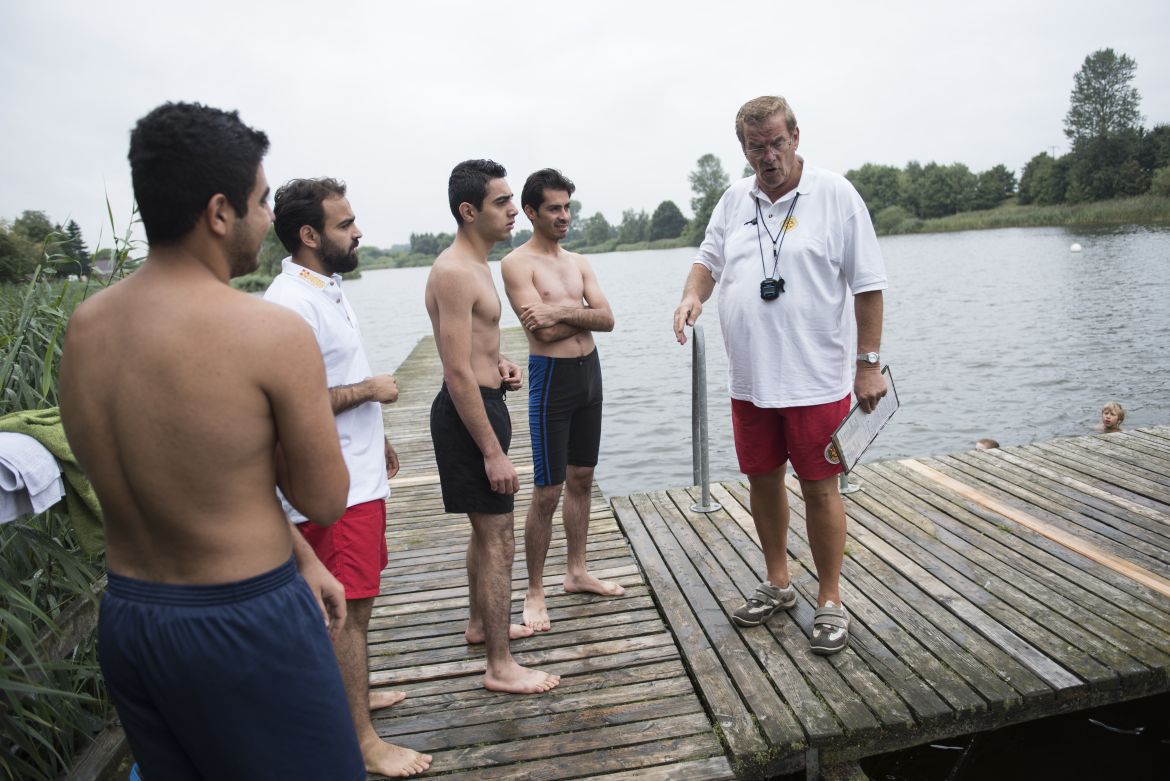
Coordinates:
<point>314,221</point>
<point>791,246</point>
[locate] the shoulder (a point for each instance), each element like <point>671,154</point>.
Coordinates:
<point>581,261</point>
<point>740,187</point>
<point>737,193</point>
<point>516,261</point>
<point>276,329</point>
<point>269,313</point>
<point>452,276</point>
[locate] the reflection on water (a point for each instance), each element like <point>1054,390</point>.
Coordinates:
<point>1004,334</point>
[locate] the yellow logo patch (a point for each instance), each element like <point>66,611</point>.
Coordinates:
<point>312,279</point>
<point>790,224</point>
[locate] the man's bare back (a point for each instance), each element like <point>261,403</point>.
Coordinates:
<point>179,383</point>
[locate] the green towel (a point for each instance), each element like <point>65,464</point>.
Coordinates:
<point>44,425</point>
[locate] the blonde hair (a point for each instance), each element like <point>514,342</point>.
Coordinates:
<point>759,110</point>
<point>1116,409</point>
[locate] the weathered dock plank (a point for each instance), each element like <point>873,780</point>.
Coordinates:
<point>986,588</point>
<point>626,706</point>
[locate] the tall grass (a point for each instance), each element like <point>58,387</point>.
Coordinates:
<point>52,700</point>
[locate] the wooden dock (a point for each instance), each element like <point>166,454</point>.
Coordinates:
<point>625,708</point>
<point>985,588</point>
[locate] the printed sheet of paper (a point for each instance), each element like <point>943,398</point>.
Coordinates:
<point>860,429</point>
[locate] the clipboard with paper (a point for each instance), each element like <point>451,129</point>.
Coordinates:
<point>859,429</point>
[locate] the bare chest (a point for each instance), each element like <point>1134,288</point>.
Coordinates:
<point>558,282</point>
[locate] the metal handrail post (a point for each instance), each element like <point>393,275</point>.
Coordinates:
<point>702,468</point>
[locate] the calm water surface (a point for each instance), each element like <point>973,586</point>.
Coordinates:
<point>1004,334</point>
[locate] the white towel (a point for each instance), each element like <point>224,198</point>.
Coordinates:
<point>30,479</point>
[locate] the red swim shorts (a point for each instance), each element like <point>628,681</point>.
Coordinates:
<point>766,437</point>
<point>353,548</point>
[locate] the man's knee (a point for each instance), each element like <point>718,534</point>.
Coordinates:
<point>821,494</point>
<point>491,525</point>
<point>544,501</point>
<point>819,489</point>
<point>768,480</point>
<point>579,480</point>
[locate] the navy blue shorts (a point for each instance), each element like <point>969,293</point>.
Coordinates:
<point>236,681</point>
<point>466,488</point>
<point>564,414</point>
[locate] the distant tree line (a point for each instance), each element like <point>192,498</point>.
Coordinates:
<point>1112,156</point>
<point>32,239</point>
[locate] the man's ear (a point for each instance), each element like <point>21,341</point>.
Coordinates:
<point>530,213</point>
<point>309,237</point>
<point>467,212</point>
<point>219,215</point>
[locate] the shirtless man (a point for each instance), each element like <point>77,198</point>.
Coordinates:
<point>316,224</point>
<point>557,298</point>
<point>470,426</point>
<point>187,403</point>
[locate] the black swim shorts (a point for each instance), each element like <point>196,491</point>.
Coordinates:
<point>466,488</point>
<point>564,414</point>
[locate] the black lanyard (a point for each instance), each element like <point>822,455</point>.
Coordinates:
<point>773,284</point>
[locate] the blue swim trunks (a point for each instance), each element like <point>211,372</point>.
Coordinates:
<point>564,414</point>
<point>235,682</point>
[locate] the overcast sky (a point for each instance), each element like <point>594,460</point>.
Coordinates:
<point>623,96</point>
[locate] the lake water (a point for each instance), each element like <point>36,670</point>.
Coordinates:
<point>1005,334</point>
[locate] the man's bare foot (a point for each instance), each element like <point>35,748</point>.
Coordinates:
<point>395,761</point>
<point>586,582</point>
<point>379,700</point>
<point>515,679</point>
<point>536,613</point>
<point>515,632</point>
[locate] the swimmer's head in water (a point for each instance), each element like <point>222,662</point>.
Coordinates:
<point>1112,414</point>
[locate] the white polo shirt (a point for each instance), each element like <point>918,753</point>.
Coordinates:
<point>319,300</point>
<point>797,349</point>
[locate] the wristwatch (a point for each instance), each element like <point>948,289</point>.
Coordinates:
<point>870,359</point>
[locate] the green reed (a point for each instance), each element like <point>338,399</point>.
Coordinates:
<point>52,699</point>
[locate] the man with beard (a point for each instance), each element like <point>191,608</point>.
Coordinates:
<point>791,247</point>
<point>559,303</point>
<point>186,402</point>
<point>315,223</point>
